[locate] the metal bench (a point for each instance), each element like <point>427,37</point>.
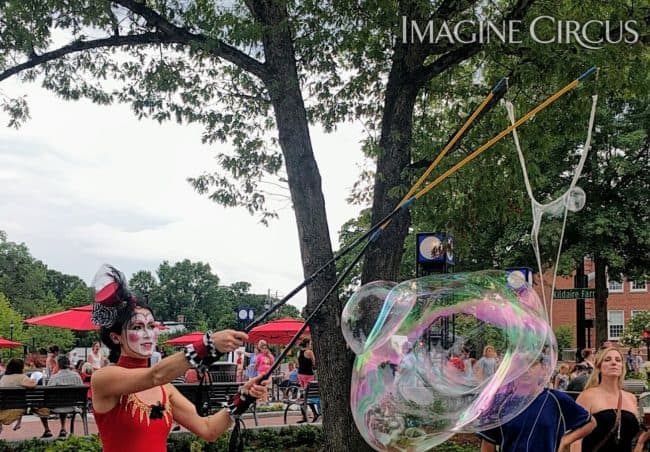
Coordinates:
<point>51,397</point>
<point>311,392</point>
<point>636,387</point>
<point>211,398</point>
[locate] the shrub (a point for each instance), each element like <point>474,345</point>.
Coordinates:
<point>305,438</point>
<point>564,337</point>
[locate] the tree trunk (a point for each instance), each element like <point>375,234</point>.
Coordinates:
<point>602,333</point>
<point>334,360</point>
<point>383,257</point>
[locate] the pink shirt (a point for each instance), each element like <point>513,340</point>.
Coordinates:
<point>263,362</point>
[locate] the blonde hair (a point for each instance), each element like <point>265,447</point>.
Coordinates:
<point>87,368</point>
<point>595,377</point>
<point>488,347</point>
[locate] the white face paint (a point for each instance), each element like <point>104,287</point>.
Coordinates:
<point>141,333</point>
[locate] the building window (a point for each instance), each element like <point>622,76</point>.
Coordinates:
<point>635,312</point>
<point>615,286</point>
<point>615,323</point>
<point>639,286</point>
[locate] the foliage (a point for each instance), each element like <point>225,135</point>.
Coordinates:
<point>32,287</point>
<point>634,328</point>
<point>216,66</point>
<point>78,296</point>
<point>564,336</point>
<point>296,438</point>
<point>192,290</point>
<point>8,317</point>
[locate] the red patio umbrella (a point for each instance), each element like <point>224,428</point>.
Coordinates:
<point>6,343</point>
<point>277,332</point>
<point>77,319</point>
<point>185,339</point>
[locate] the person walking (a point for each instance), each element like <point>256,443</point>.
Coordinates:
<point>306,367</point>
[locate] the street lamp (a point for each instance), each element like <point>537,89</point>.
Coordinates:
<point>11,337</point>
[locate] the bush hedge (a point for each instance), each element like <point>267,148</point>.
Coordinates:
<point>302,438</point>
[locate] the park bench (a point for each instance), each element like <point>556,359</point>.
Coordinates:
<point>636,387</point>
<point>312,392</point>
<point>51,397</point>
<point>210,398</point>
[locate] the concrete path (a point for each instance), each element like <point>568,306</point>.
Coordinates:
<point>32,427</point>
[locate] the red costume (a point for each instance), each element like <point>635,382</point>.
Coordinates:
<point>132,424</point>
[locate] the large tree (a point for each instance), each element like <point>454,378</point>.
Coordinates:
<point>226,67</point>
<point>250,60</point>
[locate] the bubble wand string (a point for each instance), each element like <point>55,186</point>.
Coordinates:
<point>375,230</point>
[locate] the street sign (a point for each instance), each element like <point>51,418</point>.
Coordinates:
<point>574,294</point>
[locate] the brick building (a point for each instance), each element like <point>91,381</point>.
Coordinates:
<point>624,300</point>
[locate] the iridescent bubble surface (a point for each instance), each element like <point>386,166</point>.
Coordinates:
<point>419,376</point>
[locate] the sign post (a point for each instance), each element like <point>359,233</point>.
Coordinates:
<point>574,294</point>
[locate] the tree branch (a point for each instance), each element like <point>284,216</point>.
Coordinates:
<point>216,47</point>
<point>449,8</point>
<point>459,54</point>
<point>425,73</point>
<point>78,46</point>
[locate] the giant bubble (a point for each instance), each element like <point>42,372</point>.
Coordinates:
<point>444,354</point>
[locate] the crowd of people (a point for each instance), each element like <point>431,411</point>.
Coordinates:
<point>57,371</point>
<point>603,417</point>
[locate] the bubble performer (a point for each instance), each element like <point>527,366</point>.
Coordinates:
<point>407,393</point>
<point>134,405</point>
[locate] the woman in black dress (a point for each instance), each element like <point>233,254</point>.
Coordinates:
<point>306,366</point>
<point>614,409</point>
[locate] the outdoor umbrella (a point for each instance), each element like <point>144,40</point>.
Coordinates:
<point>6,343</point>
<point>276,332</point>
<point>77,319</point>
<point>185,339</point>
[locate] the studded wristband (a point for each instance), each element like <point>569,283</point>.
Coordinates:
<point>201,353</point>
<point>239,403</point>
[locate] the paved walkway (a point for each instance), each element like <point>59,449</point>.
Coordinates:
<point>32,427</point>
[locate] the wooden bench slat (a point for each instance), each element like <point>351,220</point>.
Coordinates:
<point>51,397</point>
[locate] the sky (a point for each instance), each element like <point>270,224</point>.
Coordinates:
<point>82,185</point>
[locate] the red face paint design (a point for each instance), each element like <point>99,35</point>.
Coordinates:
<point>142,333</point>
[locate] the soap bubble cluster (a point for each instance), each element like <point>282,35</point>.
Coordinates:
<point>420,375</point>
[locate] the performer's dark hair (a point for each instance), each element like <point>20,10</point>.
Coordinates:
<point>117,328</point>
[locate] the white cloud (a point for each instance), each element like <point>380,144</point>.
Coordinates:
<point>82,184</point>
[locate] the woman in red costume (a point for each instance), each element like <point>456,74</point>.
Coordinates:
<point>134,405</point>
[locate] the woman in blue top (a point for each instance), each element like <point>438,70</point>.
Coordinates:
<point>487,365</point>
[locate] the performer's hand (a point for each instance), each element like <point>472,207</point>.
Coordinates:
<point>228,340</point>
<point>255,388</point>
